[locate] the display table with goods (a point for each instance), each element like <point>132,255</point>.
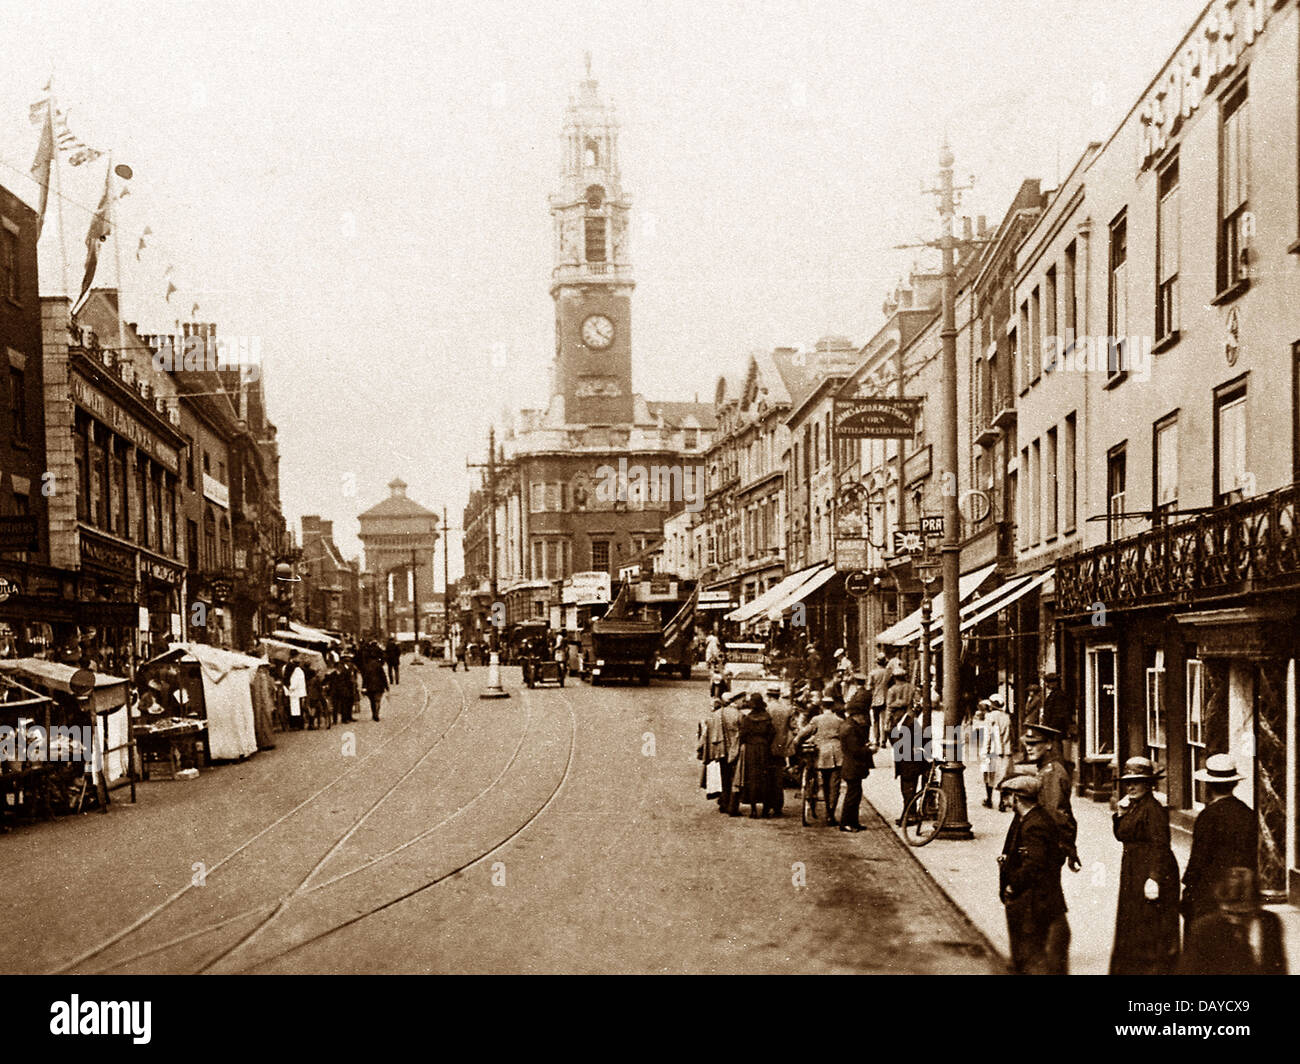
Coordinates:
<point>44,761</point>
<point>170,745</point>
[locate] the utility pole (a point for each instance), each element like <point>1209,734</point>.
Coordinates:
<point>415,599</point>
<point>446,579</point>
<point>957,824</point>
<point>494,688</point>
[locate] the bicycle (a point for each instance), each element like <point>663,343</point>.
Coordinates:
<point>926,812</point>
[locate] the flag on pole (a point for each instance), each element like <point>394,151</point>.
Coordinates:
<point>70,142</point>
<point>42,163</point>
<point>171,291</point>
<point>97,234</point>
<point>143,245</point>
<point>194,311</point>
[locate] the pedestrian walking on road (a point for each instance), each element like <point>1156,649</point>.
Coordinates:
<point>374,683</point>
<point>711,748</point>
<point>731,716</point>
<point>782,749</point>
<point>752,779</point>
<point>902,697</point>
<point>393,656</point>
<point>825,730</point>
<point>1146,920</point>
<point>341,690</point>
<point>1029,884</point>
<point>855,742</point>
<point>295,689</point>
<point>1224,836</point>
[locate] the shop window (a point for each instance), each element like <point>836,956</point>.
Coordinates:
<point>81,456</point>
<point>1196,718</point>
<point>1101,707</point>
<point>1157,739</point>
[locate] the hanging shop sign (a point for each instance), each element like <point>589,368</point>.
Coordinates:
<point>876,419</point>
<point>850,554</point>
<point>7,588</point>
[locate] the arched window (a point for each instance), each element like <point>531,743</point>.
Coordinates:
<point>590,153</point>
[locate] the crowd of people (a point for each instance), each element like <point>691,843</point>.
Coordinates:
<point>824,737</point>
<point>316,698</point>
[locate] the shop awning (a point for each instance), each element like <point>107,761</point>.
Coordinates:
<point>300,633</point>
<point>800,593</point>
<point>109,693</point>
<point>755,607</point>
<point>976,612</point>
<point>908,630</point>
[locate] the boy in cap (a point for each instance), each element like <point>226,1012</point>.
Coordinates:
<point>1029,884</point>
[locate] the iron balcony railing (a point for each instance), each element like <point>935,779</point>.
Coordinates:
<point>1251,545</point>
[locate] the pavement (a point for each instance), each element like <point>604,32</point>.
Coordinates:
<point>967,870</point>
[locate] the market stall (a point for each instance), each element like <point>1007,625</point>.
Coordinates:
<point>103,699</point>
<point>26,772</point>
<point>302,636</point>
<point>216,688</point>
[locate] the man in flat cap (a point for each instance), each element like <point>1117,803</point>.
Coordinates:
<point>1029,884</point>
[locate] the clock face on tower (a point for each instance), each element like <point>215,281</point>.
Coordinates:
<point>597,332</point>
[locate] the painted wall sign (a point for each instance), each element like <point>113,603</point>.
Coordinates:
<point>1212,50</point>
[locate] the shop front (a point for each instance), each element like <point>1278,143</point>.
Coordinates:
<point>1183,644</point>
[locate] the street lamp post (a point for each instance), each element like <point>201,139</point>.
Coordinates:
<point>957,825</point>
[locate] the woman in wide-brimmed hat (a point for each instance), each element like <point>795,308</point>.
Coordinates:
<point>1146,921</point>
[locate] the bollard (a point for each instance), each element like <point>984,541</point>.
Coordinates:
<point>494,688</point>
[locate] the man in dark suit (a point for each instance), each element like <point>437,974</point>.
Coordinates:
<point>1054,713</point>
<point>782,714</point>
<point>1226,835</point>
<point>912,753</point>
<point>393,656</point>
<point>855,741</point>
<point>1029,884</point>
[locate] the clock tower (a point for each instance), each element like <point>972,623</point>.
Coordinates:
<point>591,281</point>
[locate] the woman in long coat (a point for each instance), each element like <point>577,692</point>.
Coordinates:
<point>1146,921</point>
<point>752,776</point>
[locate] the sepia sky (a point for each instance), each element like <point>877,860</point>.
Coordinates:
<point>362,186</point>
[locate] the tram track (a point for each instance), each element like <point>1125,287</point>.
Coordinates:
<point>145,919</point>
<point>268,913</point>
